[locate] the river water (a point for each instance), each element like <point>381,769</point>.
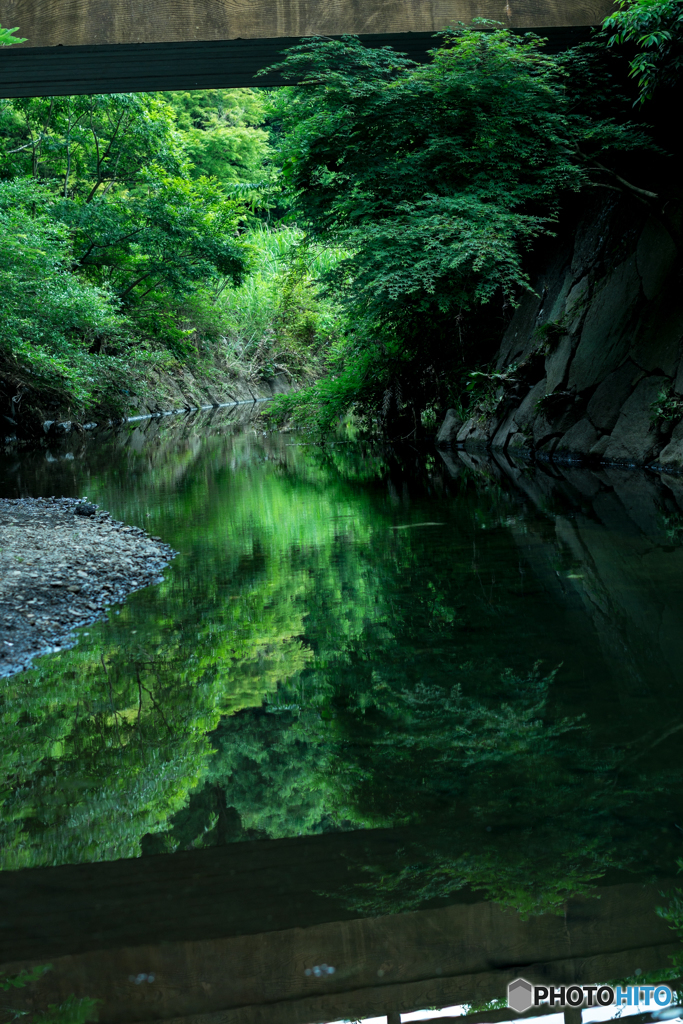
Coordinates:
<point>483,657</point>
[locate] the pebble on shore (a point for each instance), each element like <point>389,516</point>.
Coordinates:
<point>62,563</point>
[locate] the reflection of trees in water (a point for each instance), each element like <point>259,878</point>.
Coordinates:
<point>101,744</point>
<point>309,668</point>
<point>533,804</point>
<point>498,794</point>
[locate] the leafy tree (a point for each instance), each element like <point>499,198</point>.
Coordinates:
<point>86,145</point>
<point>435,179</point>
<point>655,27</point>
<point>205,107</point>
<point>164,234</point>
<point>51,318</point>
<point>160,196</point>
<point>139,226</point>
<point>221,133</point>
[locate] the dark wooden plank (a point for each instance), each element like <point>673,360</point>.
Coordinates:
<point>439,991</point>
<point>86,22</point>
<point>148,67</point>
<point>241,889</point>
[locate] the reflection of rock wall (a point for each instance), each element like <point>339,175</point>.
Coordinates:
<point>590,356</point>
<point>607,544</point>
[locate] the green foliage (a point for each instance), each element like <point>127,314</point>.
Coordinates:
<point>352,378</point>
<point>435,180</point>
<point>667,407</point>
<point>24,978</point>
<point>51,318</point>
<point>486,390</point>
<point>71,1011</point>
<point>655,27</point>
<point>221,133</point>
<point>276,320</point>
<point>82,144</point>
<point>672,913</point>
<point>159,238</point>
<point>206,107</point>
<point>484,1007</point>
<point>139,225</point>
<point>8,38</point>
<point>551,333</point>
<point>128,235</point>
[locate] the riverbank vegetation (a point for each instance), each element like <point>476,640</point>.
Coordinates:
<point>366,231</point>
<point>437,180</point>
<point>136,231</point>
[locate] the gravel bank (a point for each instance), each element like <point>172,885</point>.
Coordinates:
<point>62,562</point>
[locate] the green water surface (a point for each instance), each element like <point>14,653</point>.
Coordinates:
<point>352,638</point>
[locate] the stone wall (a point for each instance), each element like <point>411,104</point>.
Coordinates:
<point>591,362</point>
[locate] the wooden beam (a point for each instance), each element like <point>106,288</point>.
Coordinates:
<point>251,888</point>
<point>106,22</point>
<point>148,67</point>
<point>125,1002</point>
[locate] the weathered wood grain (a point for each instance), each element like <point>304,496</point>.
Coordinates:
<point>101,22</point>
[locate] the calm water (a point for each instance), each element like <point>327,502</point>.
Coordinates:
<point>355,638</point>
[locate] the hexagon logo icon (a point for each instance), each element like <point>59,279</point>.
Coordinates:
<point>519,995</point>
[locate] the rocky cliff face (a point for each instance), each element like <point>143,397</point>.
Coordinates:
<point>591,365</point>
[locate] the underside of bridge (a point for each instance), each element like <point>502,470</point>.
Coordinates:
<point>86,46</point>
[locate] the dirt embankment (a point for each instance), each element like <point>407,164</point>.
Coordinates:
<point>27,415</point>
